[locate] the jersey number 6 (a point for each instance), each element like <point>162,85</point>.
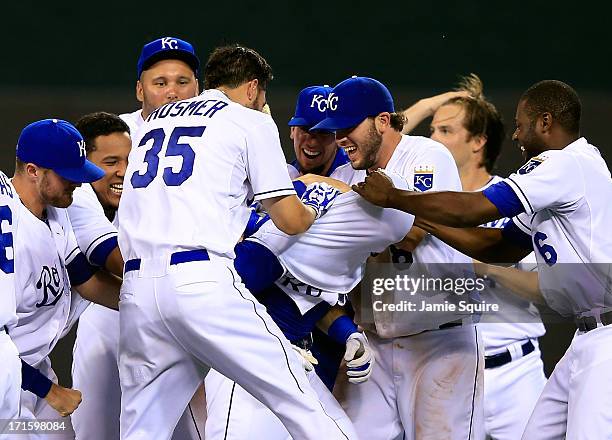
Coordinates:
<point>546,251</point>
<point>174,148</point>
<point>6,241</point>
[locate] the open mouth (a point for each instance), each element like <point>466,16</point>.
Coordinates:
<point>116,188</point>
<point>350,151</point>
<point>310,154</point>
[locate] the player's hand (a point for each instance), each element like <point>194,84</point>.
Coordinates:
<point>320,197</point>
<point>433,103</point>
<point>359,358</point>
<point>309,179</point>
<point>63,400</point>
<point>308,360</point>
<point>376,188</point>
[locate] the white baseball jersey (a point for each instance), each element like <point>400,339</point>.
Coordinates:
<point>426,165</point>
<point>133,120</point>
<point>330,257</point>
<point>9,219</point>
<point>49,260</point>
<point>517,319</point>
<point>193,181</point>
<point>566,194</point>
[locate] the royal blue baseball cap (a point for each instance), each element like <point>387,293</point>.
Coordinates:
<point>167,48</point>
<point>57,145</point>
<point>311,106</point>
<point>354,100</point>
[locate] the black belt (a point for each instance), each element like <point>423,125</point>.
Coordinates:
<point>5,328</point>
<point>175,258</point>
<point>497,360</point>
<point>588,323</point>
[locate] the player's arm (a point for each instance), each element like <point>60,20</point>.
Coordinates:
<point>114,262</point>
<point>307,179</point>
<point>450,208</point>
<point>63,400</point>
<point>491,245</point>
<point>294,216</point>
<point>519,282</point>
<point>358,355</point>
<point>425,108</point>
<point>102,288</point>
<point>289,214</point>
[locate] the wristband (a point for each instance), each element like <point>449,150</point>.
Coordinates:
<point>341,329</point>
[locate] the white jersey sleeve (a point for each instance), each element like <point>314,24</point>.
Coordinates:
<point>95,234</point>
<point>546,182</point>
<point>9,214</point>
<point>133,120</point>
<point>265,161</point>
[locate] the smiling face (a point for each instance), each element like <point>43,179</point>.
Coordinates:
<point>110,153</point>
<point>525,133</point>
<point>361,143</point>
<point>314,151</point>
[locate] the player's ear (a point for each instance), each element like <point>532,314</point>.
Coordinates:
<point>291,132</point>
<point>382,122</point>
<point>478,143</point>
<point>32,170</point>
<point>545,120</point>
<point>139,92</point>
<point>252,89</point>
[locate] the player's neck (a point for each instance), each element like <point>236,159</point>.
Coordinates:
<point>387,148</point>
<point>473,177</point>
<point>27,194</point>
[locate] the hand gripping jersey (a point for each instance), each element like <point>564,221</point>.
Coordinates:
<point>193,180</point>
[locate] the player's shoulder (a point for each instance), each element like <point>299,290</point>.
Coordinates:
<point>347,174</point>
<point>423,150</point>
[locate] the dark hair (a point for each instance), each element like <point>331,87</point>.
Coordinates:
<point>481,118</point>
<point>97,124</point>
<point>397,121</point>
<point>234,65</point>
<point>556,98</point>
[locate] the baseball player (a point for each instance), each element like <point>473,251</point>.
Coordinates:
<point>10,370</point>
<point>563,221</point>
<point>193,165</point>
<point>166,71</point>
<point>471,128</point>
<point>50,164</point>
<point>316,152</point>
<point>428,375</point>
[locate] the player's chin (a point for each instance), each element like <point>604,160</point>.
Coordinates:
<point>63,202</point>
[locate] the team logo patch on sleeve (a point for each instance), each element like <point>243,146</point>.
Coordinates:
<point>423,178</point>
<point>531,165</point>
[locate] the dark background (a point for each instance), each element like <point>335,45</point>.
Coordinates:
<point>70,58</point>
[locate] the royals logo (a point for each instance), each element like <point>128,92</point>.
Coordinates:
<point>169,43</point>
<point>320,102</point>
<point>50,284</point>
<point>82,150</point>
<point>531,165</point>
<point>423,178</point>
<point>332,102</point>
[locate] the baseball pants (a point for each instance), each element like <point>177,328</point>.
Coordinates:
<point>425,386</point>
<point>576,402</point>
<point>177,321</point>
<point>233,414</point>
<point>34,408</point>
<point>96,349</point>
<point>510,394</point>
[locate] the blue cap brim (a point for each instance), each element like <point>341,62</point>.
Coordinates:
<point>299,122</point>
<point>338,123</point>
<point>88,173</point>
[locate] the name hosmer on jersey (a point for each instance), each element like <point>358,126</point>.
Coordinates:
<point>204,107</point>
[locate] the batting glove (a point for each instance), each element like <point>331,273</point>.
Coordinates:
<point>359,358</point>
<point>308,360</point>
<point>320,197</point>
